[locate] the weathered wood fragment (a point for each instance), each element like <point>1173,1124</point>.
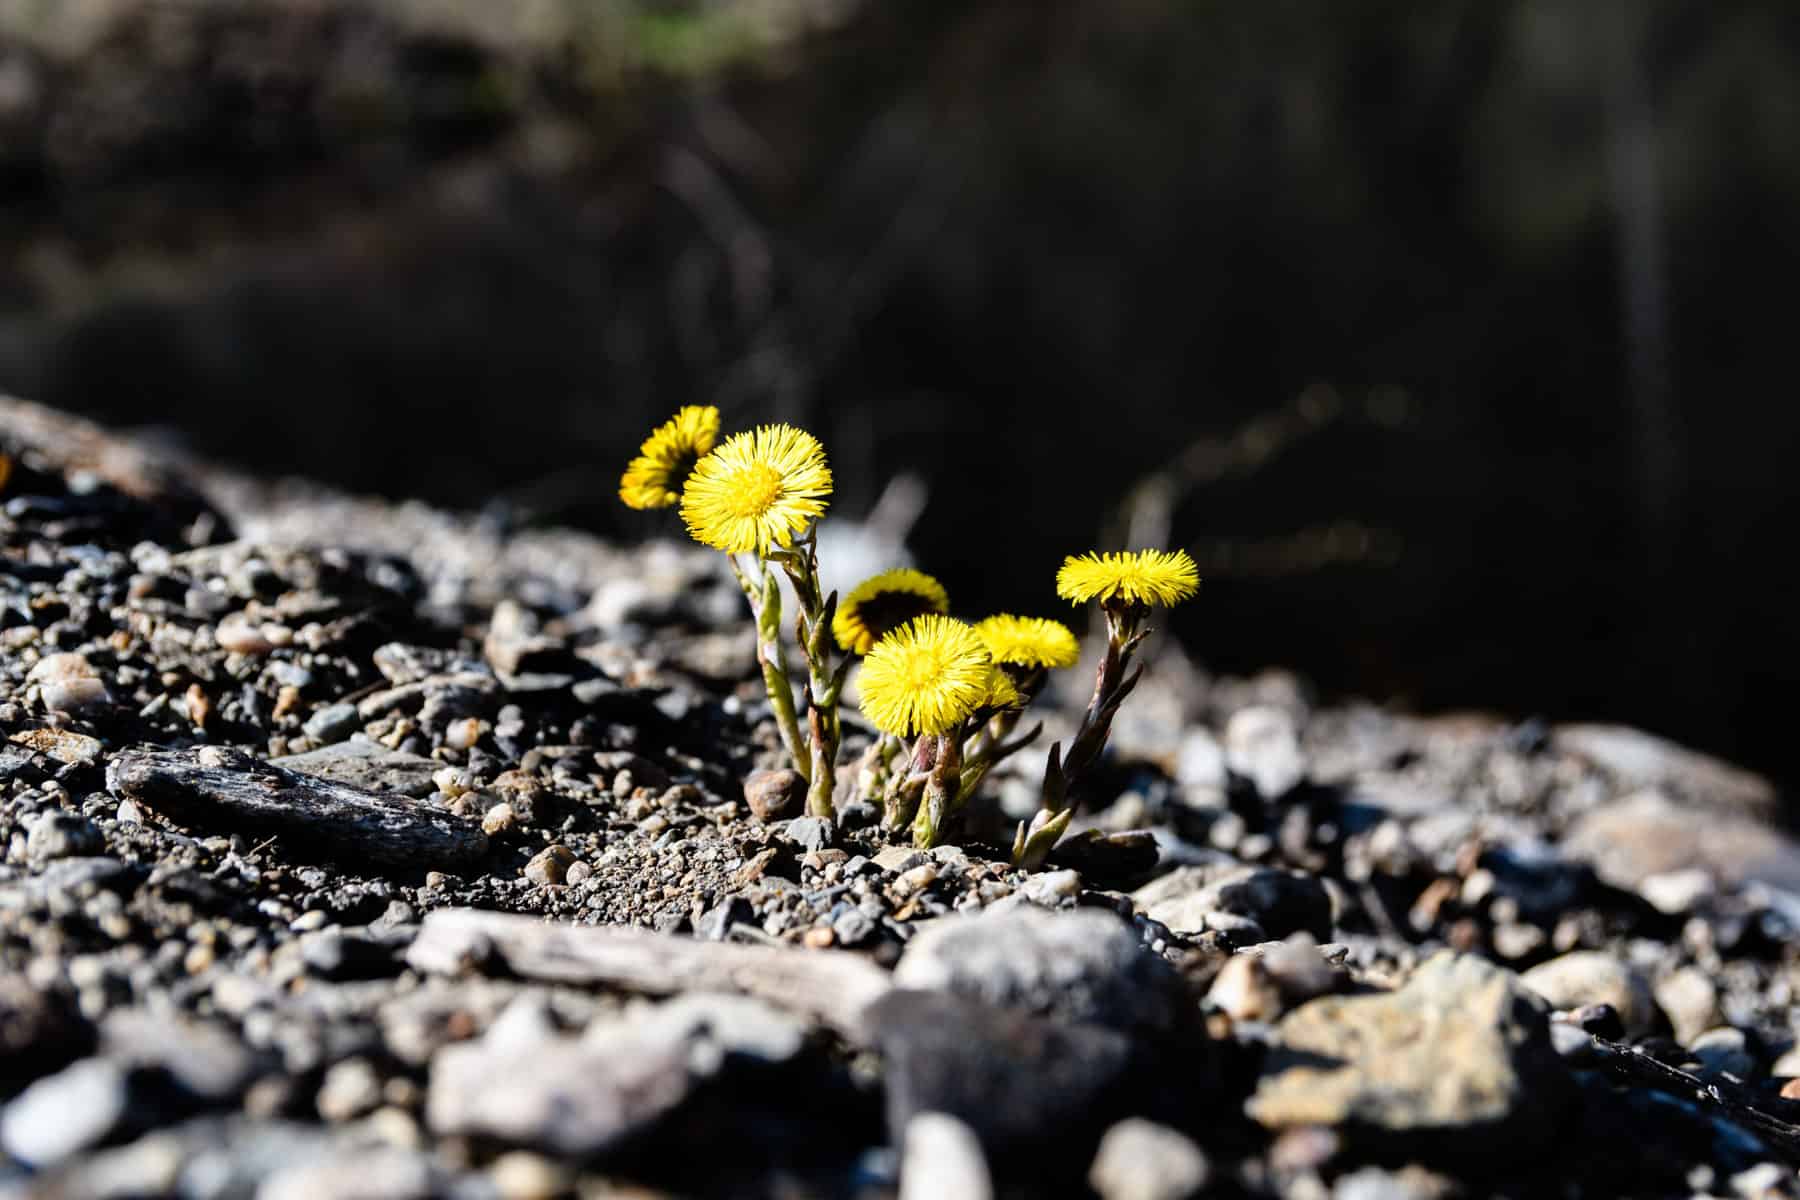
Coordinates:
<point>832,986</point>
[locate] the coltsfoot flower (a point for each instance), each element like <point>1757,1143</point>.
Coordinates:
<point>1031,642</point>
<point>757,490</point>
<point>927,676</point>
<point>1136,577</point>
<point>1002,692</point>
<point>653,479</point>
<point>882,603</point>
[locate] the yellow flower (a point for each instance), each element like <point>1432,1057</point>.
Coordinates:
<point>882,603</point>
<point>1002,692</point>
<point>653,479</point>
<point>1137,577</point>
<point>1029,641</point>
<point>757,490</point>
<point>925,677</point>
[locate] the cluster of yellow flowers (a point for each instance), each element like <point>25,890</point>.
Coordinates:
<point>957,689</point>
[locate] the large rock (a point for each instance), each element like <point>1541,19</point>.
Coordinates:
<point>1455,1064</point>
<point>1642,760</point>
<point>63,1114</point>
<point>1082,966</point>
<point>584,1097</point>
<point>204,1061</point>
<point>1011,1077</point>
<point>1584,977</point>
<point>1261,903</point>
<point>1648,834</point>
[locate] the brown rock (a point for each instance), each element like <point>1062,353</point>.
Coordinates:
<point>773,795</point>
<point>1456,1064</point>
<point>550,865</point>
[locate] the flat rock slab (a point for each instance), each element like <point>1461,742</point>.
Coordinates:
<point>367,765</point>
<point>217,789</point>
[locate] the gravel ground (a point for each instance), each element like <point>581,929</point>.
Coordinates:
<point>358,849</point>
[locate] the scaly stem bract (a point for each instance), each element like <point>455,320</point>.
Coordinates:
<point>941,788</point>
<point>906,784</point>
<point>1113,681</point>
<point>812,629</point>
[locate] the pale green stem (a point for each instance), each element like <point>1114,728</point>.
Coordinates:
<point>765,608</point>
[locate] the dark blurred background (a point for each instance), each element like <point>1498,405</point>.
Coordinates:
<point>1454,339</point>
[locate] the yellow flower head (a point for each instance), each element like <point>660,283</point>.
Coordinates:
<point>757,490</point>
<point>653,479</point>
<point>884,602</point>
<point>1002,691</point>
<point>1032,642</point>
<point>1136,577</point>
<point>925,677</point>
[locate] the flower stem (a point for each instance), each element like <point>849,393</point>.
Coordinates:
<point>765,607</point>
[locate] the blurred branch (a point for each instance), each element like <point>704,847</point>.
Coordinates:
<point>1143,519</point>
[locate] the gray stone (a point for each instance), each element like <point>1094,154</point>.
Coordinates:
<point>69,876</point>
<point>378,1173</point>
<point>37,1027</point>
<point>1008,1075</point>
<point>1052,888</point>
<point>1085,965</point>
<point>810,833</point>
<point>1584,977</point>
<point>1200,761</point>
<point>716,922</point>
<point>332,723</point>
<point>1455,1064</point>
<point>1262,745</point>
<point>899,858</point>
<point>941,1157</point>
<point>63,1114</point>
<point>363,763</point>
<point>1642,760</point>
<point>205,1060</point>
<point>852,926</point>
<point>350,1089</point>
<point>1141,1160</point>
<point>1226,896</point>
<point>1691,1000</point>
<point>552,1096</point>
<point>1726,1051</point>
<point>62,835</point>
<point>585,1096</point>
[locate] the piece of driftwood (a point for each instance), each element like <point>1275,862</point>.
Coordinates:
<point>832,986</point>
<point>217,789</point>
<point>1740,1105</point>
